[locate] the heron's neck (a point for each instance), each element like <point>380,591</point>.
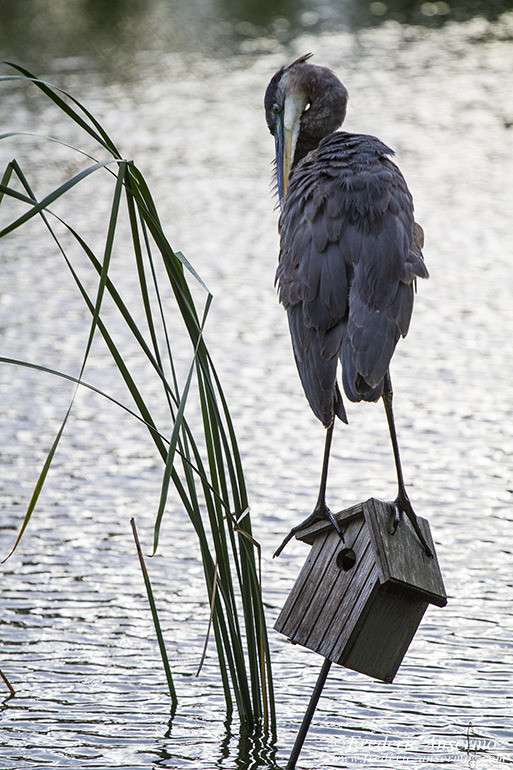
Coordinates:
<point>305,144</point>
<point>328,102</point>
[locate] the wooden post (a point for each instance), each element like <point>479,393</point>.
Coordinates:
<point>307,719</point>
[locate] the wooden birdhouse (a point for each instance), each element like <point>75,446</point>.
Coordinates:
<point>359,602</point>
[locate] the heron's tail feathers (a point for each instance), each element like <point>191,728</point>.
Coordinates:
<point>355,386</point>
<point>339,406</point>
<point>317,366</point>
<point>371,335</point>
<point>318,378</point>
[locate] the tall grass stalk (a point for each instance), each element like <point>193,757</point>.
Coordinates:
<point>202,465</point>
<point>156,621</point>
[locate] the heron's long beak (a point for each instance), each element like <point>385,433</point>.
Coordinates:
<point>286,136</point>
<point>284,149</point>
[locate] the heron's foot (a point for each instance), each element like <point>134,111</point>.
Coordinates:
<point>320,512</point>
<point>402,505</point>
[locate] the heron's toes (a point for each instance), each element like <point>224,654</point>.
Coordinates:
<point>401,505</point>
<point>319,512</point>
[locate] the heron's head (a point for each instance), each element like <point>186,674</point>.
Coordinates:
<point>303,104</point>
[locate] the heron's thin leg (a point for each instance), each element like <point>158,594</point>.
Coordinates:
<point>321,500</point>
<point>402,503</point>
<point>321,510</point>
<point>388,394</point>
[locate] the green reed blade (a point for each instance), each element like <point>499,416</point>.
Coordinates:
<point>40,483</point>
<point>43,204</point>
<point>155,616</point>
<point>4,183</point>
<point>100,135</point>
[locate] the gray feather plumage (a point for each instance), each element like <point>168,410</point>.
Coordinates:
<point>349,257</point>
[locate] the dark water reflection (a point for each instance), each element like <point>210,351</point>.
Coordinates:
<point>105,34</point>
<point>76,634</point>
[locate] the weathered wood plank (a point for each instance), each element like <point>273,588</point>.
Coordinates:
<point>400,556</point>
<point>342,587</point>
<point>283,623</point>
<point>321,586</point>
<point>380,641</point>
<point>344,620</point>
<point>315,585</point>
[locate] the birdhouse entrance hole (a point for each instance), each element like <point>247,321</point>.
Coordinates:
<point>346,559</point>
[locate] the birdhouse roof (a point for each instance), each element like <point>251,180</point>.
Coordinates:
<point>400,557</point>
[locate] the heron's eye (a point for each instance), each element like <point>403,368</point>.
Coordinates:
<point>307,107</point>
<point>276,108</point>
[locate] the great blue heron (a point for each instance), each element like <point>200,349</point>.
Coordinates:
<point>350,253</point>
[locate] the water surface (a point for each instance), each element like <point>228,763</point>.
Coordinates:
<point>77,638</point>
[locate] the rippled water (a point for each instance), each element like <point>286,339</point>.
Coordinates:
<point>77,637</point>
